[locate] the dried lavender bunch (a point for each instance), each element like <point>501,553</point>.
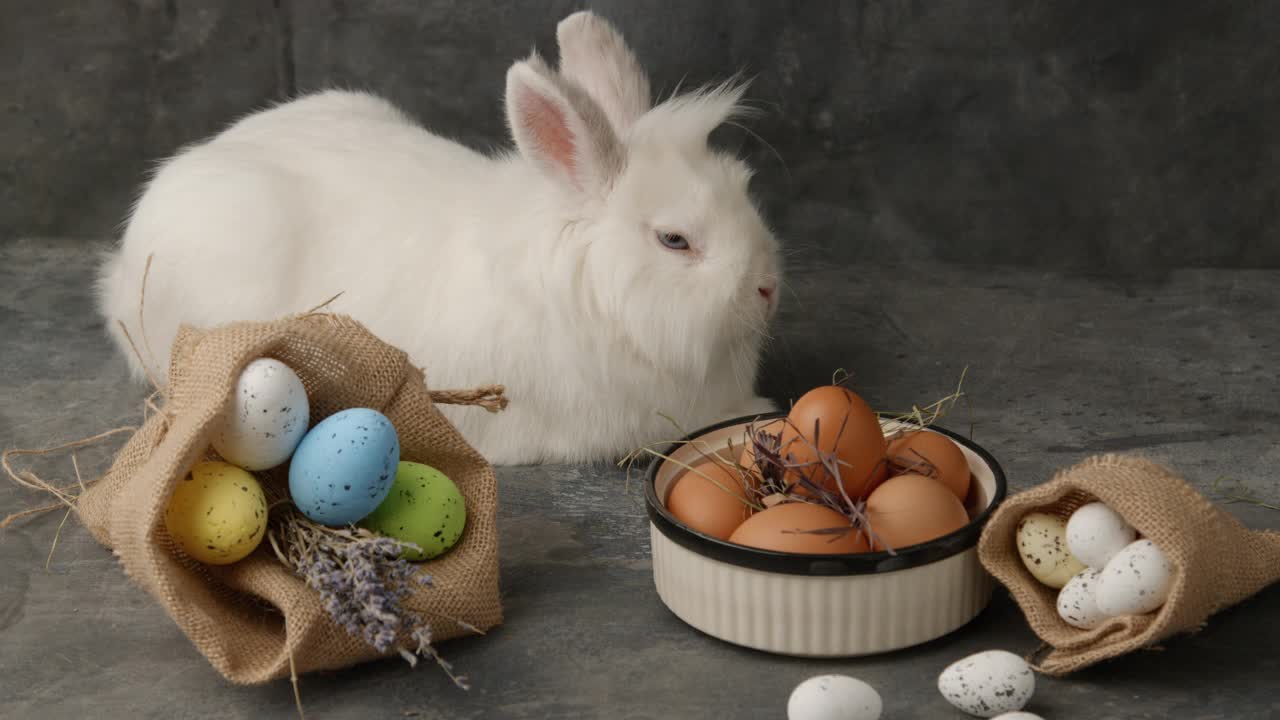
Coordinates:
<point>774,464</point>
<point>362,579</point>
<point>778,470</point>
<point>767,448</point>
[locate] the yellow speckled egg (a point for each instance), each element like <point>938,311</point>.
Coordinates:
<point>1042,545</point>
<point>217,514</point>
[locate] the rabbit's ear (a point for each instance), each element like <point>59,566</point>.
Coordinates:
<point>594,55</point>
<point>559,128</point>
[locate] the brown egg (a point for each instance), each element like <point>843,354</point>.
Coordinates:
<point>776,529</point>
<point>911,509</point>
<point>929,453</point>
<point>712,508</point>
<point>831,419</point>
<point>748,457</point>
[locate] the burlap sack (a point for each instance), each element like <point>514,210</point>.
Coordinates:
<point>1217,561</point>
<point>250,618</point>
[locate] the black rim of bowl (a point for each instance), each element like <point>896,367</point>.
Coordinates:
<point>835,564</point>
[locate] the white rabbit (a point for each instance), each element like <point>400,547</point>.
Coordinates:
<point>611,271</point>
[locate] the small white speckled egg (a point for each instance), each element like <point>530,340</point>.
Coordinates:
<point>1018,716</point>
<point>834,697</point>
<point>1077,603</point>
<point>1095,533</point>
<point>1136,581</point>
<point>267,418</point>
<point>1042,545</point>
<point>988,683</point>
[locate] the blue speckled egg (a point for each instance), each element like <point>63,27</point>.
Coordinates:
<point>344,467</point>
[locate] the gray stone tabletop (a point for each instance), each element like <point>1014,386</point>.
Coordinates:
<point>1181,366</point>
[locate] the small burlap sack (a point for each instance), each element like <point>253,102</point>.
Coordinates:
<point>252,619</point>
<point>1217,561</point>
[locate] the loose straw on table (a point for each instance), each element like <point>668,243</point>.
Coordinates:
<point>26,478</point>
<point>66,497</point>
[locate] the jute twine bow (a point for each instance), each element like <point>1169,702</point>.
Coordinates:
<point>490,397</point>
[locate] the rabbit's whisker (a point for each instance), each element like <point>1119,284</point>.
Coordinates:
<point>753,325</point>
<point>742,375</point>
<point>767,144</point>
<point>782,283</point>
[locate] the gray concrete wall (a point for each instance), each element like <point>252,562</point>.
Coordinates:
<point>1094,135</point>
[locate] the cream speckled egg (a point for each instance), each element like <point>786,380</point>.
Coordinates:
<point>1136,581</point>
<point>1095,533</point>
<point>988,683</point>
<point>834,697</point>
<point>217,514</point>
<point>267,418</point>
<point>1042,545</point>
<point>1018,716</point>
<point>1077,601</point>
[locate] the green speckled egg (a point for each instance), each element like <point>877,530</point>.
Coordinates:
<point>424,507</point>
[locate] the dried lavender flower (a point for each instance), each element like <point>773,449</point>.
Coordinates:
<point>361,579</point>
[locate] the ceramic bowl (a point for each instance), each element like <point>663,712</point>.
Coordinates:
<point>819,605</point>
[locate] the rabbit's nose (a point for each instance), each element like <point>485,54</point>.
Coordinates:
<point>766,292</point>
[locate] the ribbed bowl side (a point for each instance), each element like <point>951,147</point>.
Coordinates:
<point>837,616</point>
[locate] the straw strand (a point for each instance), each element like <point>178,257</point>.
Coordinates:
<point>29,479</point>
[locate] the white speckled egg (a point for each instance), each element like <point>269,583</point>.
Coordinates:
<point>1077,603</point>
<point>1018,716</point>
<point>267,417</point>
<point>1042,545</point>
<point>1136,581</point>
<point>988,683</point>
<point>834,697</point>
<point>1095,533</point>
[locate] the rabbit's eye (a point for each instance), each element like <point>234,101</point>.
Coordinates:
<point>672,241</point>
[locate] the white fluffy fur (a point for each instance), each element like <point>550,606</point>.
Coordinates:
<point>484,269</point>
<point>595,56</point>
